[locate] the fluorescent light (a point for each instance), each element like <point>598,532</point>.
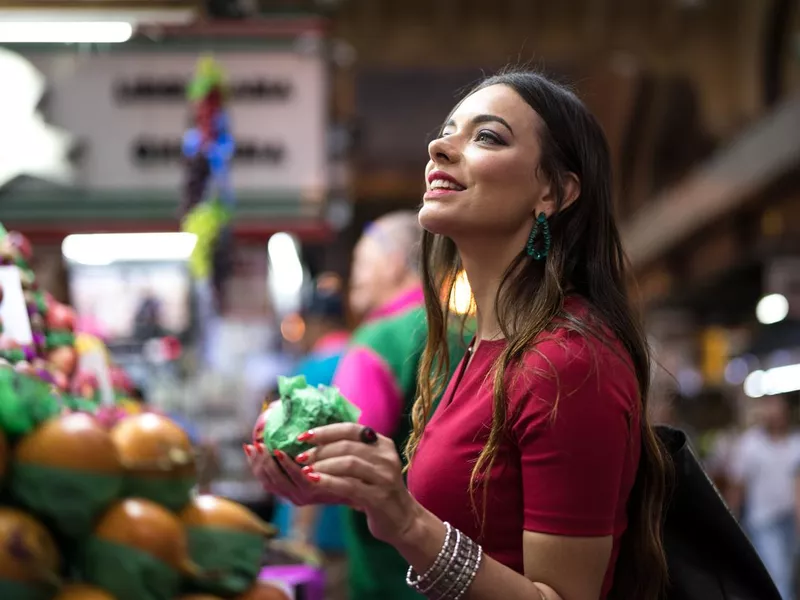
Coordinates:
<point>106,248</point>
<point>65,32</point>
<point>87,13</point>
<point>780,380</point>
<point>772,309</point>
<point>286,273</point>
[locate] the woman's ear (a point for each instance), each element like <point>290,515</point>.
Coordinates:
<point>572,189</point>
<point>548,202</point>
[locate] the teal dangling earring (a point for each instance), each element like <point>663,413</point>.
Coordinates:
<point>539,226</point>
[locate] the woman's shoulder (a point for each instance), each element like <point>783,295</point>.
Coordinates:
<point>578,341</point>
<point>578,356</point>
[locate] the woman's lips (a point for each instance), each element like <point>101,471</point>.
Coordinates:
<point>437,193</point>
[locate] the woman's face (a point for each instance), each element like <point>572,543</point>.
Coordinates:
<point>482,177</point>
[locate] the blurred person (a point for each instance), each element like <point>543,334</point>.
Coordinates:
<point>541,448</point>
<point>384,278</point>
<point>763,470</point>
<point>147,322</point>
<point>378,373</point>
<point>308,529</point>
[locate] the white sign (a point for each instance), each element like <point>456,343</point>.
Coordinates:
<point>28,145</point>
<point>13,310</point>
<point>128,111</point>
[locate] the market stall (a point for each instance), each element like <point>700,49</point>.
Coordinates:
<point>97,499</point>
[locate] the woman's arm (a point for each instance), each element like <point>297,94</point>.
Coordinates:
<point>556,567</point>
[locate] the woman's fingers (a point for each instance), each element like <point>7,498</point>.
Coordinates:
<point>293,471</point>
<point>335,433</point>
<point>354,467</point>
<point>264,466</point>
<point>334,449</point>
<point>353,492</point>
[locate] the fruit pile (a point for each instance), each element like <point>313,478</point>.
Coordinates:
<point>99,509</point>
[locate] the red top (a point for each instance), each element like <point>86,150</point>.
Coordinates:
<point>567,471</point>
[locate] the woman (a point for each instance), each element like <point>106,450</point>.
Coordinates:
<point>540,449</point>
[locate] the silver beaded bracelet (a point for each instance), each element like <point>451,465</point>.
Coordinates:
<point>453,570</point>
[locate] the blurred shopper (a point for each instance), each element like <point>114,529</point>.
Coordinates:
<point>311,528</point>
<point>148,322</point>
<point>764,469</point>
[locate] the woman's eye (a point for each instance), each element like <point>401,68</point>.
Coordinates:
<point>487,136</point>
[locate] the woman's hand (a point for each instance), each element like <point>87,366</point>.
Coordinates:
<point>281,476</point>
<point>368,476</point>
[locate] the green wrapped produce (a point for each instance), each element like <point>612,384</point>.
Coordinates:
<point>138,551</point>
<point>67,472</point>
<point>129,573</point>
<point>25,402</point>
<point>226,541</point>
<point>56,338</point>
<point>302,407</point>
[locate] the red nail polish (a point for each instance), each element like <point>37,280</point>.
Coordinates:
<point>304,437</point>
<point>308,469</point>
<point>260,448</point>
<point>302,457</point>
<point>279,455</point>
<point>314,477</point>
<point>247,450</point>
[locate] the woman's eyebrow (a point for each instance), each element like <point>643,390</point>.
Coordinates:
<point>476,120</point>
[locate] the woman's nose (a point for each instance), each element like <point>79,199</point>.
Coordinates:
<point>442,151</point>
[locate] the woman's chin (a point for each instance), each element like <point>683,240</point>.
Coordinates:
<point>437,218</point>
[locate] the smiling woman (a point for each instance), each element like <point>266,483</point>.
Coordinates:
<point>538,474</point>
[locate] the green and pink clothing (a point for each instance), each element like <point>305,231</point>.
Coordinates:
<point>378,374</point>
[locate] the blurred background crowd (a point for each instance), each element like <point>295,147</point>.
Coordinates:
<point>210,267</point>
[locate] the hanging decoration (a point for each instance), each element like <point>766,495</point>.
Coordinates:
<point>208,198</point>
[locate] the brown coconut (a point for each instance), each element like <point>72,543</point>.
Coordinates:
<point>152,445</point>
<point>28,553</point>
<point>149,528</point>
<point>211,511</point>
<point>72,441</point>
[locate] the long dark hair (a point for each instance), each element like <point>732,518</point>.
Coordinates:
<point>586,258</point>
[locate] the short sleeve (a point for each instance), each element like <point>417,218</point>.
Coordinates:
<point>575,415</point>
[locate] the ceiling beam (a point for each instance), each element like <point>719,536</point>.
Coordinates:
<point>767,150</point>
